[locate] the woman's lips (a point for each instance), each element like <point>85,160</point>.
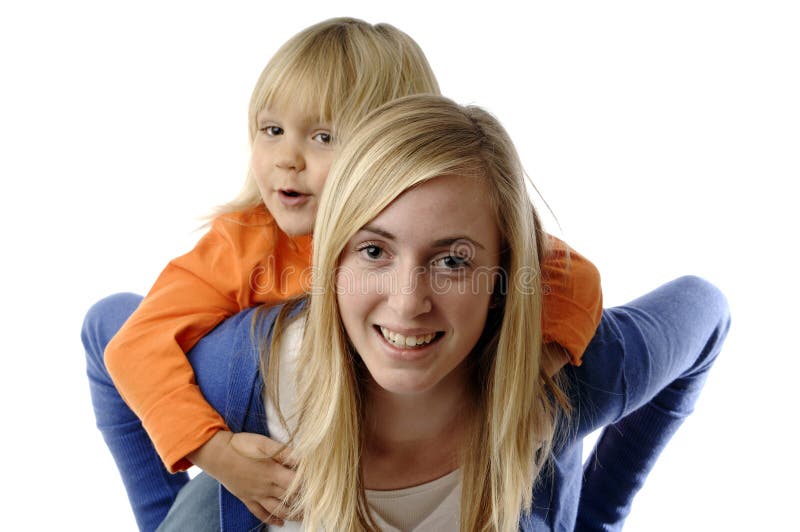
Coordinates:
<point>407,353</point>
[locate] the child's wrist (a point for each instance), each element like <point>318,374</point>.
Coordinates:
<point>205,457</point>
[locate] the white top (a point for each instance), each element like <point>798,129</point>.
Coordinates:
<point>433,506</point>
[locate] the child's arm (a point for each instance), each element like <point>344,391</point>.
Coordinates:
<point>226,272</point>
<point>147,361</point>
<point>572,302</point>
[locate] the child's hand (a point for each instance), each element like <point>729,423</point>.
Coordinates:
<point>243,463</point>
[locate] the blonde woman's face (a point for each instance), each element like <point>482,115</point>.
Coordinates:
<point>414,285</point>
<point>291,156</point>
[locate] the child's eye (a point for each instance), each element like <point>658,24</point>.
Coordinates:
<point>371,251</point>
<point>324,137</point>
<point>272,131</point>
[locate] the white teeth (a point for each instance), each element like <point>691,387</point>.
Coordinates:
<point>406,341</point>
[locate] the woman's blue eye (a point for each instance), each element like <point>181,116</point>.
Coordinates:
<point>371,251</point>
<point>454,262</point>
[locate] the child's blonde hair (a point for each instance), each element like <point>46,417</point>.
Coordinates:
<point>340,69</point>
<point>405,143</point>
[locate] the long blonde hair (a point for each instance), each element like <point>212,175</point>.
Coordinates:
<point>341,69</point>
<point>400,145</point>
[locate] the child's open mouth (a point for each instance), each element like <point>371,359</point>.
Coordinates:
<point>292,198</point>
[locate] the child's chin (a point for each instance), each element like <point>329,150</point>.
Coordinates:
<point>295,227</point>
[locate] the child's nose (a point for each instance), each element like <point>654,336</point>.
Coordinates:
<point>290,156</point>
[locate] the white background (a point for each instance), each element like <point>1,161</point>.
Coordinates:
<point>665,137</point>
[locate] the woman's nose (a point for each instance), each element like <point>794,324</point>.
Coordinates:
<point>410,293</point>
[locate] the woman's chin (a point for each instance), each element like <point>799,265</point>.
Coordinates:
<point>399,382</point>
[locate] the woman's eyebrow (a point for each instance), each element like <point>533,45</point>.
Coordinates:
<point>447,242</point>
<point>440,243</point>
<point>378,231</point>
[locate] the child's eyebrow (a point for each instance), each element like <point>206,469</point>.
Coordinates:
<point>306,120</point>
<point>440,243</point>
<point>262,118</point>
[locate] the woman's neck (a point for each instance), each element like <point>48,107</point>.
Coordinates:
<point>413,439</point>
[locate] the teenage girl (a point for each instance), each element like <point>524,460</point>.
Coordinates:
<point>155,416</point>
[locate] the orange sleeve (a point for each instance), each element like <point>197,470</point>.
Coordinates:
<point>195,292</point>
<point>573,299</point>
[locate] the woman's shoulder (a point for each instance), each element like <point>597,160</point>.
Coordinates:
<point>262,319</point>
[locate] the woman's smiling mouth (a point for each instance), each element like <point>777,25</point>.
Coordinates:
<point>402,341</point>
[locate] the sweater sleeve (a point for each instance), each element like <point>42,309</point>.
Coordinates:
<point>573,299</point>
<point>147,360</point>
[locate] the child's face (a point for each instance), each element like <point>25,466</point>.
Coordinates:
<point>291,156</point>
<point>422,272</point>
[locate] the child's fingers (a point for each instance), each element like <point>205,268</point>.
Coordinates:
<point>260,447</point>
<point>267,505</point>
<point>250,445</point>
<point>280,475</point>
<point>284,457</point>
<point>277,510</point>
<point>274,521</point>
<point>263,515</point>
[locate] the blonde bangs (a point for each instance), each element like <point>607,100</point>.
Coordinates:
<point>306,79</point>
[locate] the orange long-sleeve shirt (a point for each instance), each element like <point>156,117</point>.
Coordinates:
<point>245,260</point>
